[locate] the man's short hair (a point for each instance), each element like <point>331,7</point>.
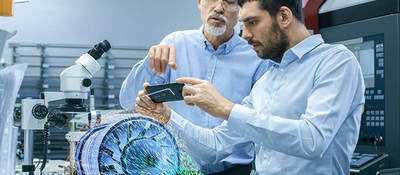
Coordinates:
<point>273,6</point>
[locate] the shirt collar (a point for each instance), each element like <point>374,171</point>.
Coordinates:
<point>306,45</point>
<point>224,48</point>
<point>299,50</point>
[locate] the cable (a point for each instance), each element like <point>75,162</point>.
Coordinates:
<point>89,120</point>
<point>45,140</point>
<point>91,107</point>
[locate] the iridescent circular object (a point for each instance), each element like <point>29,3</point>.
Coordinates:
<point>137,145</point>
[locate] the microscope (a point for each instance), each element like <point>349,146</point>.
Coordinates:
<point>75,83</point>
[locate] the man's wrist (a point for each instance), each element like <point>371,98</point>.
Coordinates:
<point>165,116</point>
<point>227,110</point>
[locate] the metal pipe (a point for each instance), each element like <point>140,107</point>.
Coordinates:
<point>28,147</point>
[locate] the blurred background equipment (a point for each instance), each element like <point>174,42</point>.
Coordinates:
<point>4,36</point>
<point>10,81</point>
<point>6,7</point>
<point>47,60</point>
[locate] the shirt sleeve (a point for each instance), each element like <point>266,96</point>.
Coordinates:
<point>139,74</point>
<point>208,145</point>
<point>329,102</point>
<point>133,83</point>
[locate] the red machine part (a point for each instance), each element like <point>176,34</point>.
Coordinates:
<point>310,11</point>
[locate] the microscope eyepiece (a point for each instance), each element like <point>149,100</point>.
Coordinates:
<point>99,49</point>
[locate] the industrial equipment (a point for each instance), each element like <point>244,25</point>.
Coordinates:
<point>75,82</point>
<point>372,31</point>
<point>136,145</point>
<point>4,36</point>
<point>367,163</point>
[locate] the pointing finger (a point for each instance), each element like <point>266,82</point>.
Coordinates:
<point>164,58</point>
<point>157,60</point>
<point>172,58</point>
<point>152,55</point>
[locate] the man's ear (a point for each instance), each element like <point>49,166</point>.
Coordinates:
<point>284,17</point>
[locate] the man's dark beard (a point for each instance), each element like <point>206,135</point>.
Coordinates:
<point>277,50</point>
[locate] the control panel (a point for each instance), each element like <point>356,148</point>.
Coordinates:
<point>373,36</point>
<point>367,163</point>
<point>369,51</point>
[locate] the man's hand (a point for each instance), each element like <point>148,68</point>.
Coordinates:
<point>162,56</point>
<point>204,95</point>
<point>145,106</point>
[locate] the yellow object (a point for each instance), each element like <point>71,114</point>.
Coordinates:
<point>6,7</point>
<point>362,112</point>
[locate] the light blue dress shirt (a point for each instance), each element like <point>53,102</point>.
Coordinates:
<point>303,115</point>
<point>233,68</point>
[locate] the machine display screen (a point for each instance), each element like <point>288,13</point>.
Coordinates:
<point>365,53</point>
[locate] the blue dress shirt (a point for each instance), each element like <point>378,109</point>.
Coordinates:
<point>233,68</point>
<point>303,115</point>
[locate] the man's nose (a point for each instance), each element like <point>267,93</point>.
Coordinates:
<point>219,7</point>
<point>246,34</point>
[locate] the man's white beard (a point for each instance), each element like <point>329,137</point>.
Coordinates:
<point>214,31</point>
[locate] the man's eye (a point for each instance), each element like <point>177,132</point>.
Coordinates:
<point>251,22</point>
<point>230,2</point>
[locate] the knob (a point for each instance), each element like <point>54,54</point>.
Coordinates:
<point>86,82</point>
<point>39,111</point>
